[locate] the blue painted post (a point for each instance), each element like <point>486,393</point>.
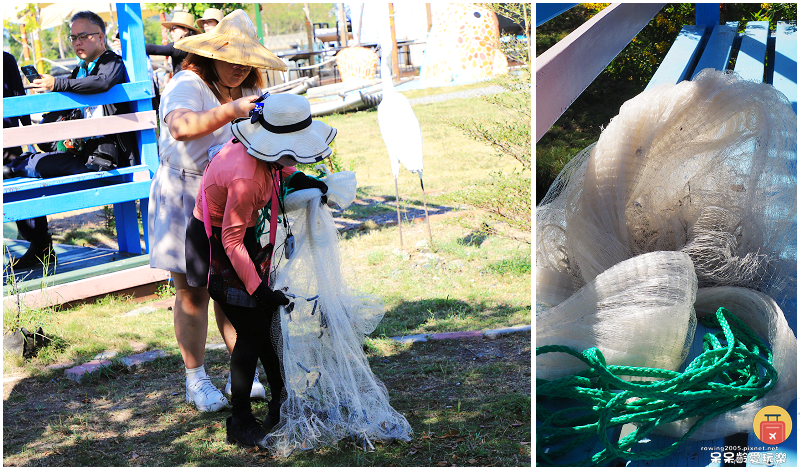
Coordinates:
<point>547,11</point>
<point>133,55</point>
<point>706,15</point>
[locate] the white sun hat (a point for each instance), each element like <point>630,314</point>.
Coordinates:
<point>209,14</point>
<point>284,127</point>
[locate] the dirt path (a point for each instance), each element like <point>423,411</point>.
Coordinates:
<point>468,402</point>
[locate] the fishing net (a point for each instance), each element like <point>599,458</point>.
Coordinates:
<point>735,369</point>
<point>331,393</point>
<point>763,316</point>
<point>703,169</point>
<point>705,166</point>
<point>617,311</point>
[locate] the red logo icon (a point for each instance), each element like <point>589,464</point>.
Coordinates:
<point>772,425</point>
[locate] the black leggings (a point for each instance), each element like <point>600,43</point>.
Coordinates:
<point>255,329</point>
<point>257,332</point>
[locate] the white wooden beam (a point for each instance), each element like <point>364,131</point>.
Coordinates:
<point>54,131</point>
<point>566,69</point>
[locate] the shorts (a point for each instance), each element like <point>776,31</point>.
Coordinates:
<point>198,251</point>
<point>172,196</point>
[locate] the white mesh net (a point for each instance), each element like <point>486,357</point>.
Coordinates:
<point>616,313</point>
<point>766,319</point>
<point>707,168</point>
<point>331,393</point>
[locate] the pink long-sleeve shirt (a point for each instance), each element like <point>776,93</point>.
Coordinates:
<point>236,186</point>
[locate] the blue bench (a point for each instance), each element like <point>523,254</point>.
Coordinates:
<point>760,54</point>
<point>32,197</point>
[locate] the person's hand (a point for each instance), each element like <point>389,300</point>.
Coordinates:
<point>44,84</point>
<point>116,45</point>
<point>302,181</point>
<point>269,299</point>
<point>244,105</point>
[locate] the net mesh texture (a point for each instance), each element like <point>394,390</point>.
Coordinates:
<point>331,392</point>
<point>705,170</point>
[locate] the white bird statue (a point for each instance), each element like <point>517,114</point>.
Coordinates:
<point>399,128</point>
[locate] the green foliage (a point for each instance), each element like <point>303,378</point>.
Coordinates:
<point>48,39</point>
<point>166,291</point>
<point>772,12</point>
<point>519,13</point>
<point>20,315</point>
<point>286,18</point>
<point>197,9</point>
<point>506,196</point>
<point>640,59</point>
<point>512,136</point>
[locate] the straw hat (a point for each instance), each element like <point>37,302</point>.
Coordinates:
<point>233,40</point>
<point>284,128</point>
<point>181,18</point>
<point>209,14</point>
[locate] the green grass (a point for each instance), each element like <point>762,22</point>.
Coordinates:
<point>469,404</point>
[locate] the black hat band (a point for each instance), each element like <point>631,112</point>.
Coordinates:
<point>285,129</point>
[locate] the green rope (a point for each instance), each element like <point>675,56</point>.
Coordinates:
<point>734,368</point>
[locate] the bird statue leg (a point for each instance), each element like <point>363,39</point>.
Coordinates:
<point>397,202</point>
<point>425,204</point>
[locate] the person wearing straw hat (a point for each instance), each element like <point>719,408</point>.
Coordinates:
<point>211,17</point>
<point>181,26</point>
<point>218,82</point>
<point>248,173</point>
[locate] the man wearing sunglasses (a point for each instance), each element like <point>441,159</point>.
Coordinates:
<point>98,70</point>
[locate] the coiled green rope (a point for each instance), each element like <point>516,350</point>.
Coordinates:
<point>734,368</point>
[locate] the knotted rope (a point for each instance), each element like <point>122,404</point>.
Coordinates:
<point>734,368</point>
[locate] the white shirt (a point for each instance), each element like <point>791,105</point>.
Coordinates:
<point>187,90</point>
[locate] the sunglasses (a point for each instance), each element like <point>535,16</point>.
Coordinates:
<point>178,27</point>
<point>81,36</point>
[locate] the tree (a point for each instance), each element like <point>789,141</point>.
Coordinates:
<point>507,197</point>
<point>287,18</point>
<point>197,9</point>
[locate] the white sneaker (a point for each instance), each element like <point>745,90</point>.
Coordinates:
<point>257,391</point>
<point>205,395</point>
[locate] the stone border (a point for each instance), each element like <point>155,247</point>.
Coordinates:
<point>79,373</point>
<point>488,334</point>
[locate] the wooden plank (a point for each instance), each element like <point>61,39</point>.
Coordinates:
<point>45,102</point>
<point>547,11</point>
<point>785,76</point>
<point>566,69</point>
<point>57,203</point>
<point>753,51</point>
<point>718,50</point>
<point>51,132</point>
<point>18,185</point>
<point>678,64</point>
<point>89,282</point>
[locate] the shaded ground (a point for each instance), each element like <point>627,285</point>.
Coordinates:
<point>467,401</point>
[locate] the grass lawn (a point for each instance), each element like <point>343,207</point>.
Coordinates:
<point>468,402</point>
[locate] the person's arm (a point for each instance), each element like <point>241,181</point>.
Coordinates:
<point>185,124</point>
<point>110,71</point>
<point>155,49</point>
<point>239,208</point>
